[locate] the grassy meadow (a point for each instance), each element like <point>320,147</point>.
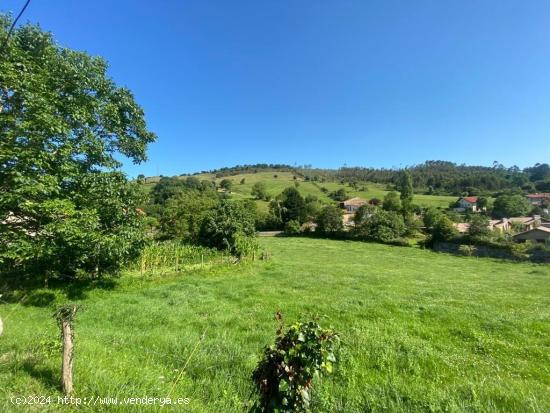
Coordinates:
<point>421,332</point>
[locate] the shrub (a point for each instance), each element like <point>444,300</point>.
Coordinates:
<point>392,202</point>
<point>226,184</point>
<point>259,190</point>
<point>444,229</point>
<point>245,246</point>
<point>225,224</point>
<point>329,219</point>
<point>292,227</point>
<point>521,251</point>
<point>467,250</point>
<point>479,226</point>
<point>339,195</point>
<point>383,226</point>
<point>284,376</point>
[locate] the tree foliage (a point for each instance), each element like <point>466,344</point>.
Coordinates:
<point>183,215</point>
<point>479,226</point>
<point>511,206</point>
<point>63,122</point>
<point>431,217</point>
<point>259,190</point>
<point>329,219</point>
<point>224,226</point>
<point>444,229</point>
<point>392,202</point>
<point>339,195</point>
<point>382,225</point>
<point>226,184</point>
<point>293,205</point>
<point>405,187</point>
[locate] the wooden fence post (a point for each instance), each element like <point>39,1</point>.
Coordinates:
<point>65,316</point>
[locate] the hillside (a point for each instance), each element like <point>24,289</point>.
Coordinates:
<point>277,181</point>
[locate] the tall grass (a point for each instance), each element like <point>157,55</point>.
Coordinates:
<point>170,256</point>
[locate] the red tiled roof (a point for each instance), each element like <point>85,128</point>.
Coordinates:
<point>537,196</point>
<point>470,199</point>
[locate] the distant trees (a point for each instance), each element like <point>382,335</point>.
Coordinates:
<point>382,225</point>
<point>329,219</point>
<point>339,195</point>
<point>290,205</point>
<point>511,206</point>
<point>293,205</point>
<point>431,217</point>
<point>392,202</point>
<point>442,177</point>
<point>484,203</point>
<point>443,229</point>
<point>226,225</point>
<point>479,226</point>
<point>363,214</point>
<point>65,207</point>
<point>259,191</point>
<point>183,214</point>
<point>405,187</point>
<point>166,188</point>
<point>226,184</point>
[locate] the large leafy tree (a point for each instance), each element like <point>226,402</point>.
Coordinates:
<point>329,219</point>
<point>64,205</point>
<point>511,206</point>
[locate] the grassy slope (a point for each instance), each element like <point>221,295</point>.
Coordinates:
<point>285,179</point>
<point>422,331</point>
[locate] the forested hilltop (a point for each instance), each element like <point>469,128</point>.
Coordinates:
<point>430,177</point>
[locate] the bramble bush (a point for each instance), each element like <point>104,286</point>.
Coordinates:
<point>284,376</point>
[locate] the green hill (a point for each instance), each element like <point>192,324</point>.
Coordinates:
<point>277,181</point>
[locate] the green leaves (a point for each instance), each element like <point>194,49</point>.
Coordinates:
<point>63,205</point>
<point>284,377</point>
<point>228,226</point>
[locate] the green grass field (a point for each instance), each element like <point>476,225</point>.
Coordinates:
<point>421,331</point>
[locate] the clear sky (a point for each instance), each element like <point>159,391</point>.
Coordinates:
<point>373,83</point>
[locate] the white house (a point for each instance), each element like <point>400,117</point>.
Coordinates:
<point>467,203</point>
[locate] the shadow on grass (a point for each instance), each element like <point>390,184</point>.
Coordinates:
<point>34,292</point>
<point>46,375</point>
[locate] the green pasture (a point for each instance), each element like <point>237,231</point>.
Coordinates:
<point>421,332</point>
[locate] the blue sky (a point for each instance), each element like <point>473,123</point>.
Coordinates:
<point>327,83</point>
